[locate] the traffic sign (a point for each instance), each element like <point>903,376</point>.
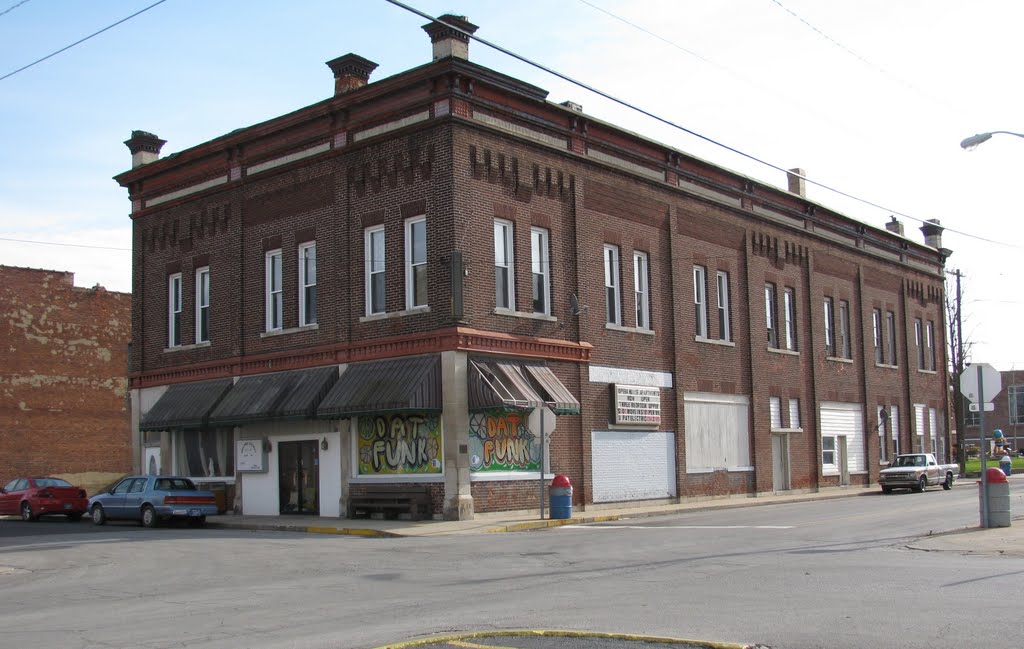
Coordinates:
<point>991,382</point>
<point>974,407</point>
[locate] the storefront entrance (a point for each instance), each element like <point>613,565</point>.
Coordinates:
<point>299,468</point>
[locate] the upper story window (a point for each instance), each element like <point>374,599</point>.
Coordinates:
<point>770,317</point>
<point>416,262</point>
<point>724,317</point>
<point>830,328</point>
<point>700,300</point>
<point>540,269</point>
<point>919,341</point>
<point>504,275</point>
<point>203,304</point>
<point>274,291</point>
<point>307,284</point>
<point>1015,397</point>
<point>374,254</point>
<point>611,284</point>
<point>174,310</point>
<point>876,335</point>
<point>789,314</point>
<point>641,290</point>
<point>845,347</point>
<point>929,334</point>
<point>775,412</point>
<point>890,338</point>
<point>794,413</point>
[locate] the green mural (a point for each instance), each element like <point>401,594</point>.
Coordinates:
<point>400,443</point>
<point>499,440</point>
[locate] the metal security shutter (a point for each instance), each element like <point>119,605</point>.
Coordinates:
<point>846,419</point>
<point>633,465</point>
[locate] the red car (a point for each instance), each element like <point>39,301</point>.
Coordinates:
<point>35,497</point>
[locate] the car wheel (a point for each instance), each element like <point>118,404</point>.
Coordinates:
<point>148,516</point>
<point>197,522</point>
<point>26,512</point>
<point>887,490</point>
<point>99,517</point>
<point>948,484</point>
<point>74,518</point>
<point>922,484</point>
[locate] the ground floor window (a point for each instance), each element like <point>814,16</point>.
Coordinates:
<point>204,453</point>
<point>828,453</point>
<point>717,431</point>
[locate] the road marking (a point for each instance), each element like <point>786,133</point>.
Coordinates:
<point>58,543</point>
<point>607,526</point>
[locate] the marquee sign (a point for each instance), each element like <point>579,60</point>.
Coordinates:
<point>636,405</point>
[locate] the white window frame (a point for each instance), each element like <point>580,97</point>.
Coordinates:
<point>504,261</point>
<point>174,310</point>
<point>929,333</point>
<point>724,315</point>
<point>413,264</point>
<point>919,339</point>
<point>374,268</point>
<point>794,414</point>
<point>830,336</point>
<point>894,429</point>
<point>274,290</point>
<point>613,309</point>
<point>883,434</point>
<point>775,412</point>
<point>826,466</point>
<point>641,289</point>
<point>540,271</point>
<point>890,335</point>
<point>876,335</point>
<point>789,315</point>
<point>203,304</point>
<point>845,343</point>
<point>1013,400</point>
<point>771,317</point>
<point>305,285</point>
<point>700,300</point>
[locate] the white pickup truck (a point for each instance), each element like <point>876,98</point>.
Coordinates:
<point>916,471</point>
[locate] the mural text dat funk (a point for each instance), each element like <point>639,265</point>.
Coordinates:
<point>399,443</point>
<point>499,440</point>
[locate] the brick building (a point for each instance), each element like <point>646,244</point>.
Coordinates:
<point>1007,414</point>
<point>63,378</point>
<point>408,280</point>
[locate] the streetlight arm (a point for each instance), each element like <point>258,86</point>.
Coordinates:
<point>970,143</point>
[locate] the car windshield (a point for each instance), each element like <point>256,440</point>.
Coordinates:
<point>51,482</point>
<point>174,484</point>
<point>910,460</point>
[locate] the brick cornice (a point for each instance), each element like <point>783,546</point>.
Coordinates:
<point>452,339</point>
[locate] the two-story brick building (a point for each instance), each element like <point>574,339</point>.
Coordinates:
<point>409,280</point>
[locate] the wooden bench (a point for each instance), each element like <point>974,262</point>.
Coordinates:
<point>391,500</point>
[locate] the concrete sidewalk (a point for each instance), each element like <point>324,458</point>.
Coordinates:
<point>1007,541</point>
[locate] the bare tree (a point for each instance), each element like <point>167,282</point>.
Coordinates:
<point>959,354</point>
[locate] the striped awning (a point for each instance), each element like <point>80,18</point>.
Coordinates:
<point>398,385</point>
<point>185,405</point>
<point>276,396</point>
<point>513,384</point>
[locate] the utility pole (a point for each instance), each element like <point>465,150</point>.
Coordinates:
<point>958,368</point>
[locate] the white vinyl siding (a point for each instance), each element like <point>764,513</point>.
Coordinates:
<point>416,262</point>
<point>307,284</point>
<point>633,465</point>
<point>611,285</point>
<point>717,431</point>
<point>838,419</point>
<point>504,268</point>
<point>375,293</point>
<point>274,301</point>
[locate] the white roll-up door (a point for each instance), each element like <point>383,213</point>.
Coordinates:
<point>847,419</point>
<point>633,465</point>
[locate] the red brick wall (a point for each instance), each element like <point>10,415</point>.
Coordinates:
<point>63,376</point>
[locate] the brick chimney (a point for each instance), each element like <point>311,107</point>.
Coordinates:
<point>797,184</point>
<point>447,41</point>
<point>145,148</point>
<point>894,226</point>
<point>932,232</point>
<point>351,71</point>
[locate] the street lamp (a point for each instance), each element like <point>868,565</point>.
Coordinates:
<point>971,143</point>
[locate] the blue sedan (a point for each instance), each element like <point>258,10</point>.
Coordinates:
<point>151,499</point>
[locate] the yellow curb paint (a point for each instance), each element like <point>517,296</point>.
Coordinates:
<point>473,645</point>
<point>349,532</point>
<point>462,637</point>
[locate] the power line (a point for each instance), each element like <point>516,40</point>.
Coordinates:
<point>78,42</point>
<point>679,127</point>
<point>67,245</point>
<point>12,8</point>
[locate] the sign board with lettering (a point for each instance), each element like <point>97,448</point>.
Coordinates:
<point>250,456</point>
<point>636,405</point>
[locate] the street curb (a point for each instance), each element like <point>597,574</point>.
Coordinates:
<point>556,633</point>
<point>269,527</point>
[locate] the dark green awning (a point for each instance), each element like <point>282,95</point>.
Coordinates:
<point>405,384</point>
<point>185,405</point>
<point>281,395</point>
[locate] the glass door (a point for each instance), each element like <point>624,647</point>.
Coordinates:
<point>299,486</point>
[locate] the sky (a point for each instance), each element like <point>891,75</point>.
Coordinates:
<point>870,97</point>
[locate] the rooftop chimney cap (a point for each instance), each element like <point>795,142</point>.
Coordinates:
<point>438,30</point>
<point>143,141</point>
<point>352,65</point>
